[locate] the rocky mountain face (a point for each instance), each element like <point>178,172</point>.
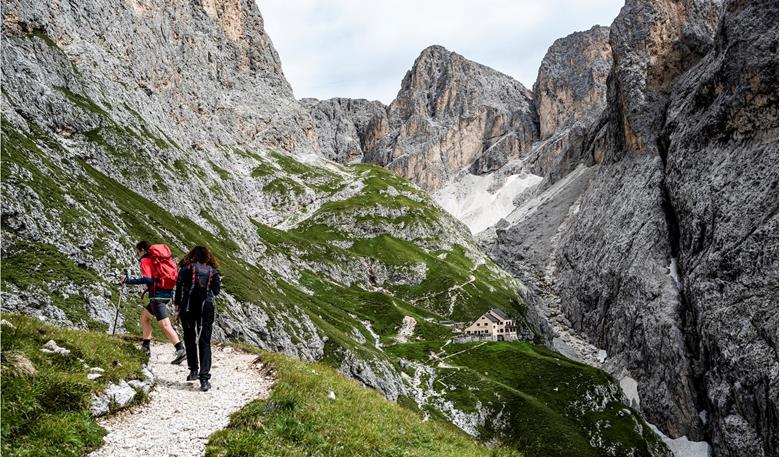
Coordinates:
<point>623,218</point>
<point>345,126</point>
<point>569,93</point>
<point>468,133</point>
<point>721,176</point>
<point>172,121</point>
<point>682,234</point>
<point>173,75</point>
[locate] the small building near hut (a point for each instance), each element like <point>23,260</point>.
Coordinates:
<point>494,325</point>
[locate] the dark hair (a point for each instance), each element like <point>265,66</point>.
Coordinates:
<point>199,254</point>
<point>143,245</point>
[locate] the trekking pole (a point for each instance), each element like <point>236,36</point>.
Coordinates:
<point>119,304</point>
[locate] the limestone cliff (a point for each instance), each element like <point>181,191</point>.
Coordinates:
<point>622,222</point>
<point>570,94</point>
<point>721,181</point>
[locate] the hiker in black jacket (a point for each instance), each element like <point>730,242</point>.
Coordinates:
<point>197,285</point>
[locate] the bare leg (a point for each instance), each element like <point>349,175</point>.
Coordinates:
<point>146,324</point>
<point>167,328</point>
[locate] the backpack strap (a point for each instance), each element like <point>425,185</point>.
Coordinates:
<point>211,276</point>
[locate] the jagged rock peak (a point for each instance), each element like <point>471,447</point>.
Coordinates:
<point>442,83</point>
<point>452,114</point>
<point>572,82</point>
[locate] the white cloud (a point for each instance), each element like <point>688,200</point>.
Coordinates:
<point>362,49</point>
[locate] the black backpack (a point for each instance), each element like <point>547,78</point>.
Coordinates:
<point>199,289</point>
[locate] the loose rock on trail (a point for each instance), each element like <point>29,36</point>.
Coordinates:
<point>179,418</point>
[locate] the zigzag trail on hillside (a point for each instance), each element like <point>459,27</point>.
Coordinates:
<point>178,419</point>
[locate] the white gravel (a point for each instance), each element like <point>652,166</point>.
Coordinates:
<point>407,329</point>
<point>178,419</point>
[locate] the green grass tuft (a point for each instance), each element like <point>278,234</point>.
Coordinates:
<point>46,397</point>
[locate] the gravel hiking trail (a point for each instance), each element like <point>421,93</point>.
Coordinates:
<point>178,418</point>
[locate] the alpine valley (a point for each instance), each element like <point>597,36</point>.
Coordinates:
<point>624,211</point>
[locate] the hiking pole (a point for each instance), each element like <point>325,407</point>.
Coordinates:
<point>119,304</point>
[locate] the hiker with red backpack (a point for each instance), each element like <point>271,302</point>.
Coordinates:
<point>198,283</point>
<point>159,274</point>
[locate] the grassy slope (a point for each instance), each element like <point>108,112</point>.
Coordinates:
<point>537,392</point>
<point>300,420</point>
<point>46,397</point>
<point>550,390</point>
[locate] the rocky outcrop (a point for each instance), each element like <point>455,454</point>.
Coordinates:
<point>571,85</point>
<point>345,126</point>
<point>121,394</point>
<point>450,114</point>
<point>653,42</point>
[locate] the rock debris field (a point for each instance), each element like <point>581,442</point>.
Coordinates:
<point>178,419</point>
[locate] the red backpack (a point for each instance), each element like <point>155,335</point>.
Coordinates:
<point>164,269</point>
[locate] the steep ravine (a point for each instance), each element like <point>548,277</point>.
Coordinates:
<point>688,314</point>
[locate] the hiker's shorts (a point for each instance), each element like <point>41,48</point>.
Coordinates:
<point>158,309</point>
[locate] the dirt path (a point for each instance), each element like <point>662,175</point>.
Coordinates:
<point>178,419</point>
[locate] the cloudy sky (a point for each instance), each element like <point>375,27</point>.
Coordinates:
<point>362,48</point>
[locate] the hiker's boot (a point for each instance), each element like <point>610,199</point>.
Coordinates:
<point>179,357</point>
<point>145,349</point>
<point>193,376</point>
<point>204,385</point>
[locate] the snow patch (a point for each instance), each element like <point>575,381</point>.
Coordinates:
<point>479,201</point>
<point>675,273</point>
<point>682,446</point>
<point>629,386</point>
